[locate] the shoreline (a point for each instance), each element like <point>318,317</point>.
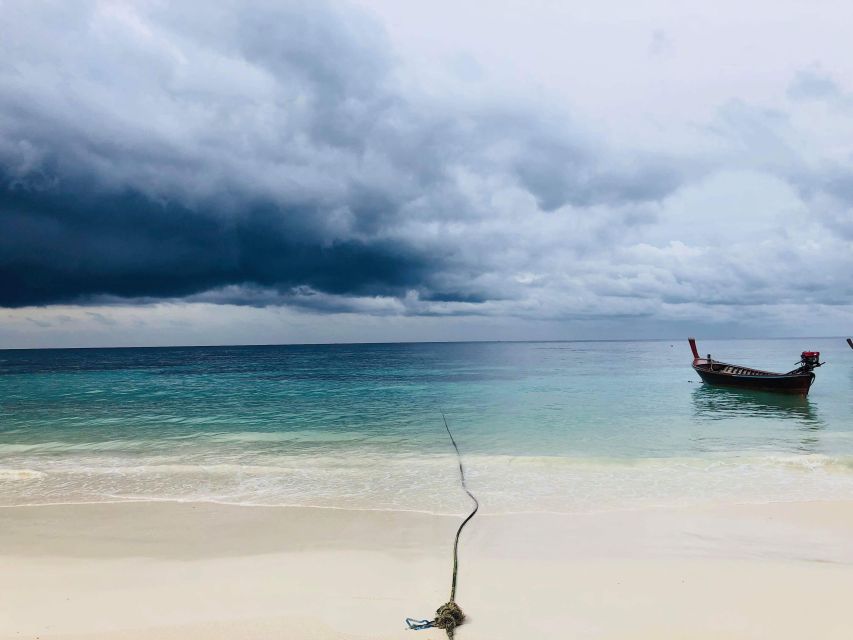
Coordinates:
<point>504,484</point>
<point>710,505</point>
<point>146,570</point>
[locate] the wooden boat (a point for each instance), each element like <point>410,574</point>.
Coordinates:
<point>798,381</point>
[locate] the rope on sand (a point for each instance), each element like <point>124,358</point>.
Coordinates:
<point>449,615</point>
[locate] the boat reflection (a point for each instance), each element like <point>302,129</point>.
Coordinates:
<point>721,403</point>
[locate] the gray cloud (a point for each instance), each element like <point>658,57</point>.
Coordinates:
<point>660,43</point>
<point>277,154</point>
<point>165,152</point>
<point>812,84</point>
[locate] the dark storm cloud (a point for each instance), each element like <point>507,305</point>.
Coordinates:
<point>159,151</point>
<point>93,207</point>
<point>62,245</point>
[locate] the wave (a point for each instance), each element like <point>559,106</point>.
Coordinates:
<point>375,459</point>
<point>812,461</point>
<point>429,483</point>
<point>205,439</point>
<point>72,447</point>
<point>20,474</point>
<point>304,436</point>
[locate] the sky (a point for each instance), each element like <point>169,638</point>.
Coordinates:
<point>261,172</point>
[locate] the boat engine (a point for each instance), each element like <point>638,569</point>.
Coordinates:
<point>810,360</point>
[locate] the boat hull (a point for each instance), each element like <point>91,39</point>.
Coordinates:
<point>797,384</point>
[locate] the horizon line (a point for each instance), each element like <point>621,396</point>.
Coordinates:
<point>411,342</point>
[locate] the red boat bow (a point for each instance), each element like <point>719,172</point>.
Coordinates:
<point>692,342</point>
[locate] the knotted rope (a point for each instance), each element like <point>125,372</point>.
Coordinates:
<point>449,615</point>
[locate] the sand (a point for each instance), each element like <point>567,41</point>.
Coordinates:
<point>165,570</point>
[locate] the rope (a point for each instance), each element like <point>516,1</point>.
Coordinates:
<point>449,615</point>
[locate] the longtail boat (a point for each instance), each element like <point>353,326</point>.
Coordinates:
<point>797,381</point>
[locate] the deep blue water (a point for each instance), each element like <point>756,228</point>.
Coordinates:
<point>560,426</point>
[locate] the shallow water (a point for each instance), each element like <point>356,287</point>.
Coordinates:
<point>572,426</point>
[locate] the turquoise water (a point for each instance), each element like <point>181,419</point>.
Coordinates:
<point>572,426</point>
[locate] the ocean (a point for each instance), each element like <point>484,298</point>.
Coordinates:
<point>573,427</point>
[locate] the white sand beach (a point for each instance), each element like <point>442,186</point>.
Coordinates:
<point>137,571</point>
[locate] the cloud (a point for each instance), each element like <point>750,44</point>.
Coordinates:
<point>279,154</point>
<point>660,44</point>
<point>811,84</point>
<point>67,244</point>
<point>159,152</point>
